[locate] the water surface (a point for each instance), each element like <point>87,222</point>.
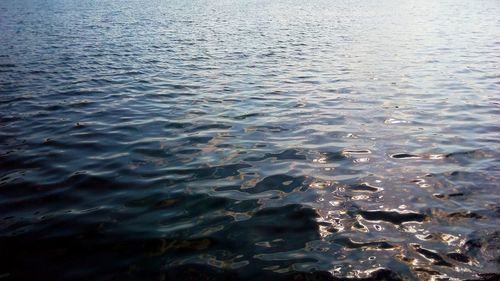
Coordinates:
<point>241,140</point>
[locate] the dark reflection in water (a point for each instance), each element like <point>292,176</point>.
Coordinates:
<point>242,140</point>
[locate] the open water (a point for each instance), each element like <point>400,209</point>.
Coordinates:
<point>249,139</point>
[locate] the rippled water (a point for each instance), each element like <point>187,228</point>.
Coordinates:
<point>228,140</point>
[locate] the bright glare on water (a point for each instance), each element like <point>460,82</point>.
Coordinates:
<point>249,140</point>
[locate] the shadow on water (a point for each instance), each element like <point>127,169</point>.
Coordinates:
<point>232,253</point>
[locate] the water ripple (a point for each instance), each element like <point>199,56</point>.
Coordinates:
<point>243,140</point>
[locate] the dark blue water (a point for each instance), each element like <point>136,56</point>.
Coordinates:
<point>241,140</point>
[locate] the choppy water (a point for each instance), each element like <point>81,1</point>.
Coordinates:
<point>271,140</point>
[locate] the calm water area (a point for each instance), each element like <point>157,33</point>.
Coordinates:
<point>249,140</point>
